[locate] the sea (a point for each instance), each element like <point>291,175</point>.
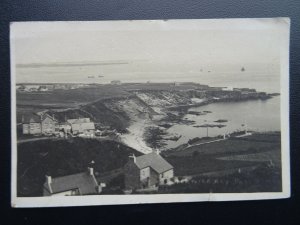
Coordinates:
<point>252,115</point>
<point>263,78</point>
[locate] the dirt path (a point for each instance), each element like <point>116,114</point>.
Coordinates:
<point>34,139</point>
<point>217,140</point>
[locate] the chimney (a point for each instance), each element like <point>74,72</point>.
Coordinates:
<point>91,171</point>
<point>99,189</point>
<point>49,180</point>
<point>133,157</point>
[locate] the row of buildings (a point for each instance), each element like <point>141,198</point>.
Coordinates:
<point>44,124</point>
<point>46,87</point>
<point>51,87</point>
<point>140,173</point>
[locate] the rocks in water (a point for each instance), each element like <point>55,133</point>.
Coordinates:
<point>187,122</point>
<point>174,138</point>
<point>165,125</point>
<point>196,113</point>
<point>221,121</point>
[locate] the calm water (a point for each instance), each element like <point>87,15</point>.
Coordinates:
<point>263,79</point>
<point>257,115</point>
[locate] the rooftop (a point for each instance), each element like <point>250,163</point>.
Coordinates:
<point>35,118</point>
<point>80,120</point>
<point>153,160</point>
<point>83,126</point>
<point>85,182</point>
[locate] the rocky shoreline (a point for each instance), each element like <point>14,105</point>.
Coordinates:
<point>175,115</point>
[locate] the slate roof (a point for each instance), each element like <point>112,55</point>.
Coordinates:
<point>31,118</point>
<point>81,127</point>
<point>80,120</point>
<point>35,118</point>
<point>85,182</point>
<point>153,160</point>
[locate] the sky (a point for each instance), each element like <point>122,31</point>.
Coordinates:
<point>167,46</point>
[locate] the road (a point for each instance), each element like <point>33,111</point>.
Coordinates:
<point>34,139</point>
<point>217,140</point>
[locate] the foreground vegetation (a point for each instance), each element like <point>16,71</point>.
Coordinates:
<point>247,164</point>
<point>65,157</point>
<point>264,178</point>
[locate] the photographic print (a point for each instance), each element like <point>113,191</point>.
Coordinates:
<point>149,111</point>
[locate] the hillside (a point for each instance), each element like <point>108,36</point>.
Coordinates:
<point>116,112</point>
<point>65,157</point>
<point>128,109</point>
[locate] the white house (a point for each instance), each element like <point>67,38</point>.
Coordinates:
<point>147,171</point>
<point>82,126</point>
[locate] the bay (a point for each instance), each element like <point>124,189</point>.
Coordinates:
<point>255,115</point>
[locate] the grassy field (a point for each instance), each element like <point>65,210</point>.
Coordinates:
<point>215,167</point>
<point>249,144</point>
<point>261,179</point>
<point>64,157</point>
<point>75,97</point>
<point>69,98</point>
<point>260,152</point>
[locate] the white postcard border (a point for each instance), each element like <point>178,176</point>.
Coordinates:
<point>163,198</point>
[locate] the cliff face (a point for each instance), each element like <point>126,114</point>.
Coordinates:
<point>163,98</point>
<point>116,112</point>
